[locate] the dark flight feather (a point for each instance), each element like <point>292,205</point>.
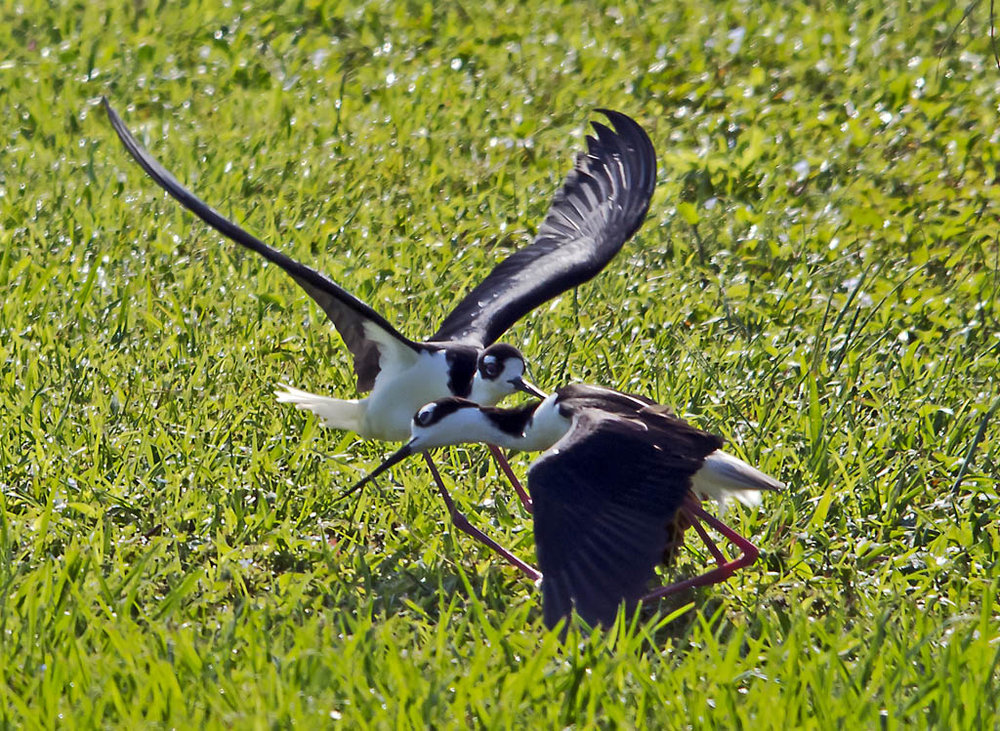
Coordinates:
<point>347,312</point>
<point>603,498</point>
<point>602,202</point>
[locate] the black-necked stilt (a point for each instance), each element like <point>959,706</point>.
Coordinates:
<point>617,473</point>
<point>602,202</point>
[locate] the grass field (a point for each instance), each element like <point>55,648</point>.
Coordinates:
<point>817,281</point>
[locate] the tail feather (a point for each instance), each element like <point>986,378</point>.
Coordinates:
<point>335,413</point>
<point>724,477</point>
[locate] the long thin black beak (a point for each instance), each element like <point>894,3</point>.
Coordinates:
<point>527,387</point>
<point>402,453</point>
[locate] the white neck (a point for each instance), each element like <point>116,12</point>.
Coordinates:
<point>544,429</point>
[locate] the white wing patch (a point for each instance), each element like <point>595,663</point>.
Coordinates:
<point>394,356</point>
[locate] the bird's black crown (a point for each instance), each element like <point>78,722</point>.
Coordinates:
<point>491,360</point>
<point>435,411</point>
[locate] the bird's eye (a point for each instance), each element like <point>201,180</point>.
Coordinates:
<point>491,366</point>
<point>424,416</point>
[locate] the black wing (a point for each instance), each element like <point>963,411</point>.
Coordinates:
<point>352,317</point>
<point>600,205</point>
<point>605,497</point>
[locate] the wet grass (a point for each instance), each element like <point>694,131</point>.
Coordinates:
<point>817,281</point>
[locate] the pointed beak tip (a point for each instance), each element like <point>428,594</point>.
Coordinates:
<point>398,456</point>
<point>529,388</point>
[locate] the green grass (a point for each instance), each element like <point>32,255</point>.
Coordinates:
<point>817,281</point>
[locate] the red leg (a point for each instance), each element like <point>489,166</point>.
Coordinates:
<point>713,547</point>
<point>749,553</point>
<point>462,523</point>
<point>684,521</point>
<point>505,467</point>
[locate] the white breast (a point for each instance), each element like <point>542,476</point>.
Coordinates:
<point>398,395</point>
<point>546,427</point>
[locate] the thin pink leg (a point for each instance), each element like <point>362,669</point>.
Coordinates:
<point>713,547</point>
<point>505,467</point>
<point>749,553</point>
<point>462,523</point>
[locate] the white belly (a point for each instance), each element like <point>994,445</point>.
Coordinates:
<point>399,394</point>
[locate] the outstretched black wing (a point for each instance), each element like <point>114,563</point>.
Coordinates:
<point>604,498</point>
<point>357,323</point>
<point>602,202</point>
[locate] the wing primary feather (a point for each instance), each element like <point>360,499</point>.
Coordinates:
<point>601,203</point>
<point>556,600</point>
<point>603,496</point>
<point>346,311</point>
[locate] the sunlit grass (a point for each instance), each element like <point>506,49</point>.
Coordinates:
<point>818,282</point>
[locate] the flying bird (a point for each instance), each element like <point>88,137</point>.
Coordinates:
<point>602,202</point>
<point>616,474</point>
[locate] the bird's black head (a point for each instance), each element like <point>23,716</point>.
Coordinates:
<point>497,358</point>
<point>430,414</point>
<point>499,372</point>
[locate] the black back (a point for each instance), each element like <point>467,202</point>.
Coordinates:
<point>576,397</point>
<point>602,202</point>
